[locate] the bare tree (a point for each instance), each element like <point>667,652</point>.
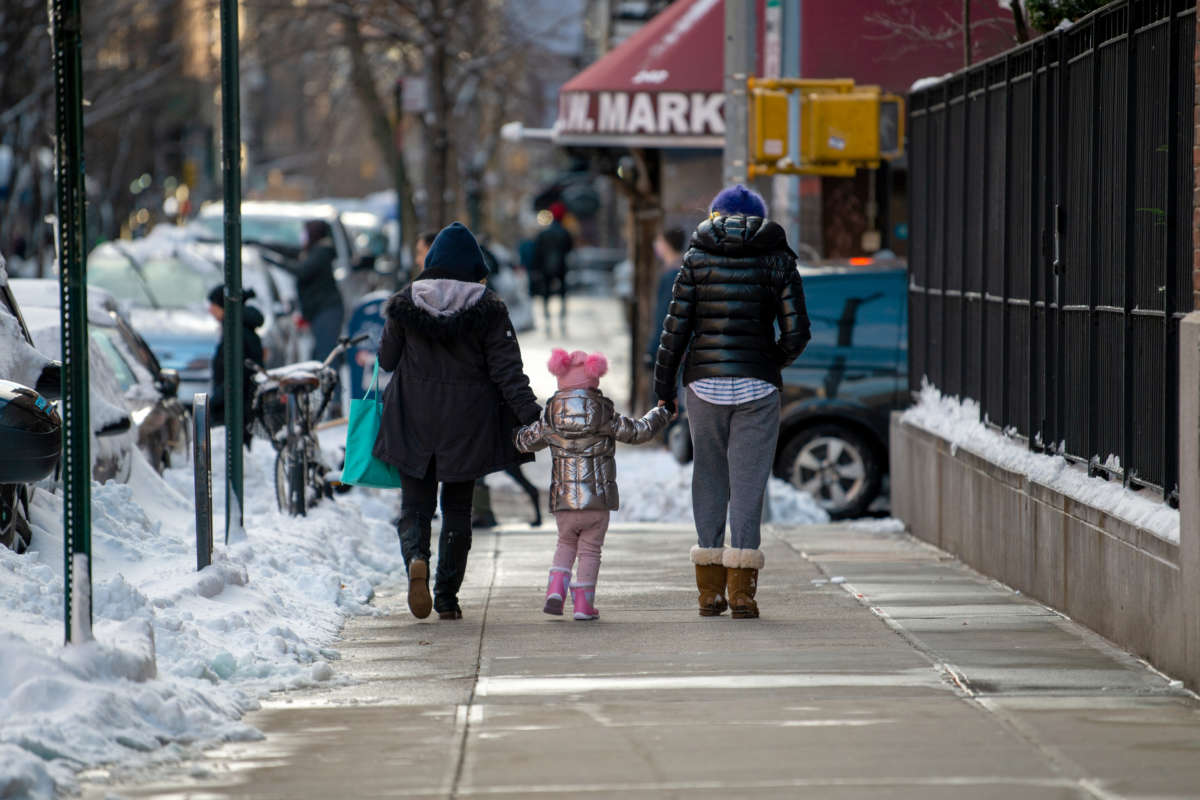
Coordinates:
<point>907,26</point>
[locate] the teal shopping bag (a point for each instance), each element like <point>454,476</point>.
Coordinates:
<point>362,467</point>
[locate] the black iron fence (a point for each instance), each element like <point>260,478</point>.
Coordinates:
<point>1051,207</point>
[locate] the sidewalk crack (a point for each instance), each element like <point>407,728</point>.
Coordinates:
<point>467,716</point>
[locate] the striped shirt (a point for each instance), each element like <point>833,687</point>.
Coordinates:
<point>725,391</point>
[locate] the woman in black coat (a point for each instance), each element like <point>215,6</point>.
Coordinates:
<point>458,393</point>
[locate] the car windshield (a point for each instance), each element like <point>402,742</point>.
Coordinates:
<point>175,284</point>
<point>103,339</point>
<point>285,231</point>
<point>116,275</point>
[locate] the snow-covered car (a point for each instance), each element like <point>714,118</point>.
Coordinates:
<point>30,344</point>
<point>274,294</point>
<point>165,298</point>
<point>150,391</point>
<point>280,227</point>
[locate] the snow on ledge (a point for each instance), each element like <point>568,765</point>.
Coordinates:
<point>959,423</point>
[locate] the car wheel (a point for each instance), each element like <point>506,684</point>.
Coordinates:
<point>15,533</point>
<point>836,465</point>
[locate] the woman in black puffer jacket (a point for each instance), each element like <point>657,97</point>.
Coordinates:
<point>449,413</point>
<point>738,282</point>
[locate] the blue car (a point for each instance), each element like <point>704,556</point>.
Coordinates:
<point>838,396</point>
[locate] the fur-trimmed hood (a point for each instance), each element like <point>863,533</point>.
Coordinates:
<point>445,309</point>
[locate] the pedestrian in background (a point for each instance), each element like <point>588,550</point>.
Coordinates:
<point>252,350</point>
<point>320,300</point>
<point>580,426</point>
<point>458,392</point>
<point>738,282</point>
<point>421,251</point>
<point>668,246</point>
<point>548,264</point>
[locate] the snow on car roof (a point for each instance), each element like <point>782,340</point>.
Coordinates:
<point>264,208</point>
<point>43,294</point>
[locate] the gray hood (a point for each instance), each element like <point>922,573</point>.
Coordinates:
<point>444,297</point>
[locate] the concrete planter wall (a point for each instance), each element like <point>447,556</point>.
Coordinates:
<point>1136,589</point>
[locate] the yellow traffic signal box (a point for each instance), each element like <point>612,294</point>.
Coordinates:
<point>768,124</point>
<point>843,127</point>
<point>839,127</point>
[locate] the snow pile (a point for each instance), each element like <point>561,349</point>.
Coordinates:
<point>179,655</point>
<point>959,423</point>
<point>19,361</point>
<point>656,488</point>
<point>925,83</point>
<point>888,525</point>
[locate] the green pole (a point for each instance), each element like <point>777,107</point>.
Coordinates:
<point>70,201</point>
<point>231,159</point>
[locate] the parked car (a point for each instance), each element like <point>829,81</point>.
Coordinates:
<point>274,294</point>
<point>30,429</point>
<point>164,291</point>
<point>30,341</point>
<point>166,301</point>
<point>279,227</point>
<point>150,391</point>
<point>838,396</point>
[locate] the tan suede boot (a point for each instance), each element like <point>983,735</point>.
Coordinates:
<point>742,568</point>
<point>710,580</point>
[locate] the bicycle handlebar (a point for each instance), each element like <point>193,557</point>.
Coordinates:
<point>344,344</point>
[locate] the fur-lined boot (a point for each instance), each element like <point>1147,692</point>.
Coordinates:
<point>710,580</point>
<point>583,597</point>
<point>741,581</point>
<point>556,590</point>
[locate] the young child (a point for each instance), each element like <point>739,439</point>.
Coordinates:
<point>580,426</point>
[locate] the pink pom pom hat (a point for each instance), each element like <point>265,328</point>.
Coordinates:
<point>577,370</point>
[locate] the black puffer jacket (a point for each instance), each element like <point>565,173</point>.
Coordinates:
<point>459,391</point>
<point>315,282</point>
<point>738,280</point>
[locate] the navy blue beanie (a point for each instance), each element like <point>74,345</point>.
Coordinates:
<point>456,255</point>
<point>739,200</point>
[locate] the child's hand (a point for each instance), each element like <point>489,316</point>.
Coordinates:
<point>669,407</point>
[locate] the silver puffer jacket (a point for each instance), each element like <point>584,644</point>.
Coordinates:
<point>580,427</point>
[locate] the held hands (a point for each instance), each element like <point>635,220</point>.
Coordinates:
<point>670,407</point>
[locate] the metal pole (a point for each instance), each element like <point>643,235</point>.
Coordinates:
<point>70,202</point>
<point>231,160</point>
<point>202,479</point>
<point>741,34</point>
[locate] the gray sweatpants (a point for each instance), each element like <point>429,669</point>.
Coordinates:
<point>733,447</point>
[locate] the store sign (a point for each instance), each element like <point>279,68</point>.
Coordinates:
<point>641,113</point>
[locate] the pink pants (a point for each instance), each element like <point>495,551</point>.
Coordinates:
<point>580,532</point>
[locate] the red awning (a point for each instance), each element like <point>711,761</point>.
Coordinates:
<point>661,87</point>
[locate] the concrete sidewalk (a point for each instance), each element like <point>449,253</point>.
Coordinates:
<point>912,678</point>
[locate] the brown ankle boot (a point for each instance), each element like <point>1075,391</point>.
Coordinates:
<point>710,580</point>
<point>742,568</point>
<point>419,601</point>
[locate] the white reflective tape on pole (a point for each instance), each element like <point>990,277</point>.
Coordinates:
<point>81,599</point>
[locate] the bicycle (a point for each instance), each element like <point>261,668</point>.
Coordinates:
<point>283,409</point>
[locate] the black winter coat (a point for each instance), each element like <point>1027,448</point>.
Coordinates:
<point>458,392</point>
<point>738,280</point>
<point>548,262</point>
<point>252,348</point>
<point>315,282</point>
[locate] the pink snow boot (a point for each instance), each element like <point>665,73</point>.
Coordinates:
<point>582,597</point>
<point>556,590</point>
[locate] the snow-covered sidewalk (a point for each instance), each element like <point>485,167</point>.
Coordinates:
<point>179,655</point>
